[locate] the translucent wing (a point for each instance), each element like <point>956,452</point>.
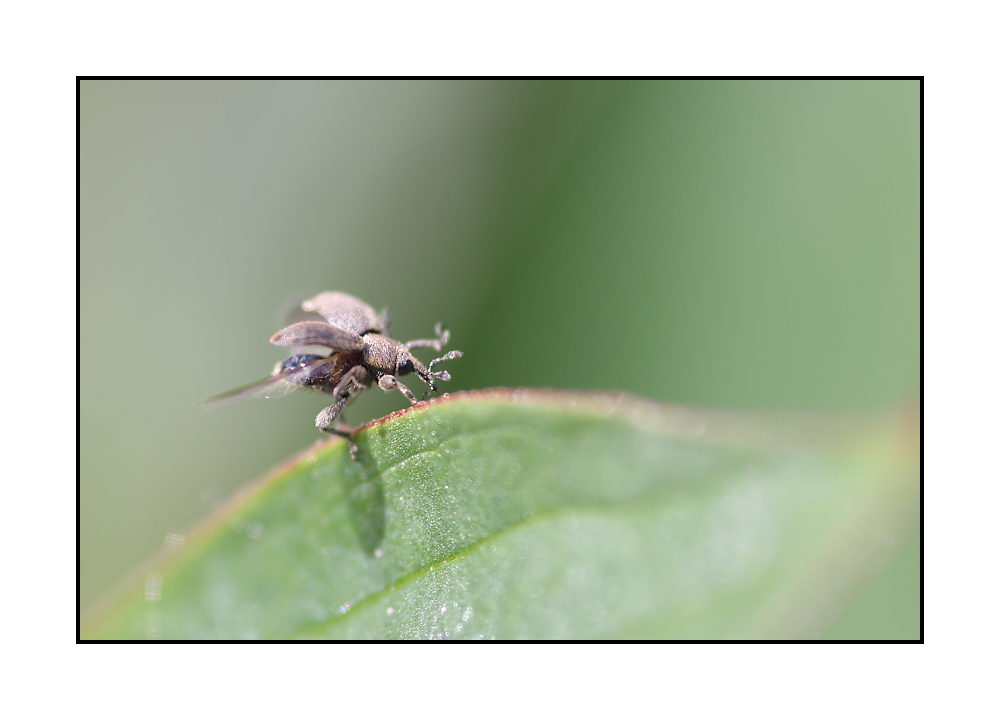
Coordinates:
<point>347,312</point>
<point>281,383</point>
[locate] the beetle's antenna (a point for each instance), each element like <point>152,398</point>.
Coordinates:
<point>447,356</point>
<point>442,375</point>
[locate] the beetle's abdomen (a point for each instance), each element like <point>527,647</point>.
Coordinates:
<point>295,362</point>
<point>322,377</point>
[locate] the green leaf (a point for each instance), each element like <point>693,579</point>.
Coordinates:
<point>534,514</point>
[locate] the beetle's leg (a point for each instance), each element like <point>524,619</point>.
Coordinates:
<point>388,382</point>
<point>327,416</point>
<point>442,340</point>
<point>326,419</point>
<point>353,381</point>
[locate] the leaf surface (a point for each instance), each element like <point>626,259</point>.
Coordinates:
<point>535,514</point>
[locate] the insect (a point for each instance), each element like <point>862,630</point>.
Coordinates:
<point>361,355</point>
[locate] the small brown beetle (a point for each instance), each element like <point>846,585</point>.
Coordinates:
<point>362,354</point>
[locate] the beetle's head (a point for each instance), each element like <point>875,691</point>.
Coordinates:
<point>406,363</point>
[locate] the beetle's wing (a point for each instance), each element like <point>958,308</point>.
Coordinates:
<point>345,311</point>
<point>277,385</point>
<point>303,334</point>
<point>274,386</point>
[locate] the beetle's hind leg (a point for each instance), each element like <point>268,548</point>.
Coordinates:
<point>351,383</point>
<point>442,339</point>
<point>325,422</point>
<point>327,416</point>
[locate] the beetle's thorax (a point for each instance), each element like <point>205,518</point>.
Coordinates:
<point>382,353</point>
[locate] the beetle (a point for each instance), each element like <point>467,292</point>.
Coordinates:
<point>361,355</point>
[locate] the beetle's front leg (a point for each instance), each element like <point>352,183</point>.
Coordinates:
<point>388,382</point>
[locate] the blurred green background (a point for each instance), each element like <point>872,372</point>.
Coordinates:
<point>743,244</point>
